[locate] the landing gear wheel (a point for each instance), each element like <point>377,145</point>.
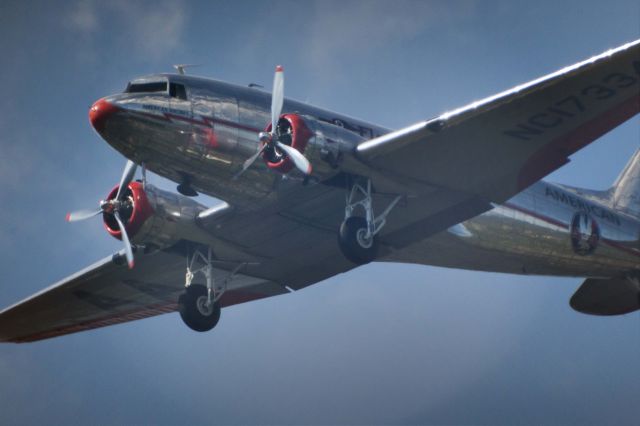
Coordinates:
<point>194,311</point>
<point>353,241</point>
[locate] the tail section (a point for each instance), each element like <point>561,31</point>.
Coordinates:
<point>621,295</point>
<point>625,193</point>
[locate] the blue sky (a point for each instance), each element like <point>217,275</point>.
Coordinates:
<point>382,344</point>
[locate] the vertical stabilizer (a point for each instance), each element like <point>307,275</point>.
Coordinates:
<point>625,193</point>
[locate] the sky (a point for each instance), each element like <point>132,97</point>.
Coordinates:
<point>382,344</point>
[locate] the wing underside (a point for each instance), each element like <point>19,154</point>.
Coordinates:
<point>496,147</point>
<point>108,293</point>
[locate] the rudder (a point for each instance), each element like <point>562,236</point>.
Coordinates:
<point>625,192</point>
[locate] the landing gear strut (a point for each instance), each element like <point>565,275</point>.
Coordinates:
<point>199,305</point>
<point>357,237</point>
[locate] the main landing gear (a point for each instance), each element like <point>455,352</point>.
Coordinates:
<point>199,305</point>
<point>357,237</point>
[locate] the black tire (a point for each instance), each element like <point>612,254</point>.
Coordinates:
<point>354,248</point>
<point>194,313</point>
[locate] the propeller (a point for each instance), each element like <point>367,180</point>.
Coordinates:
<point>125,239</point>
<point>270,139</point>
<point>299,160</point>
<point>113,207</point>
<point>79,215</point>
<point>248,162</point>
<point>127,176</point>
<point>277,97</point>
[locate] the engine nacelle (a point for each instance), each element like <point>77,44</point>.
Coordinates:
<point>324,144</point>
<point>153,217</point>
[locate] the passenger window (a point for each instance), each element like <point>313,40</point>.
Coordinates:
<point>177,91</point>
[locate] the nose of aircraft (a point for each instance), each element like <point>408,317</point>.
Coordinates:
<point>99,112</point>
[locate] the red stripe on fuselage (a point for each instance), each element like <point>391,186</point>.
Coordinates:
<point>205,121</point>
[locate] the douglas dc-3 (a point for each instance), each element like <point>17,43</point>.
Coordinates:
<point>309,194</point>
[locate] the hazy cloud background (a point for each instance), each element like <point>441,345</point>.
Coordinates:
<point>149,29</point>
<point>385,343</point>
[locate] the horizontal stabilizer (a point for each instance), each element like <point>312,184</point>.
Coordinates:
<point>614,296</point>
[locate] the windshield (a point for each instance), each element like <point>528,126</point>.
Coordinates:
<point>158,86</point>
<point>175,90</point>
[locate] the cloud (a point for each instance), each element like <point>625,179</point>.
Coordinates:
<point>340,30</point>
<point>153,28</point>
<point>83,17</point>
<point>150,29</point>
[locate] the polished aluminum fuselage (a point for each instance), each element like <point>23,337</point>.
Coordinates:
<point>204,140</point>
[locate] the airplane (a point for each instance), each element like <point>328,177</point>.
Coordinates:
<point>308,193</point>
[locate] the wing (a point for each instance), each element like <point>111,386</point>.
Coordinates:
<point>496,147</point>
<point>108,293</point>
<point>453,167</point>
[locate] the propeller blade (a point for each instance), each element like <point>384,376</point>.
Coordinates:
<point>128,251</point>
<point>82,215</point>
<point>277,97</point>
<point>298,159</point>
<point>127,177</point>
<point>248,162</point>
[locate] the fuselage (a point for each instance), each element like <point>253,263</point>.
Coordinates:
<point>200,131</point>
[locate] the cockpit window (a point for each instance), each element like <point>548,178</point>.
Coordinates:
<point>159,86</point>
<point>177,91</point>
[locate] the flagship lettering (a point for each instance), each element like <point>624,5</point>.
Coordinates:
<point>581,205</point>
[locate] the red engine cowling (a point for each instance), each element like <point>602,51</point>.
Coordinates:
<point>323,143</point>
<point>133,217</point>
<point>154,217</point>
<point>292,131</point>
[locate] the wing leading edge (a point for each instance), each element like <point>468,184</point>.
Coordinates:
<point>107,293</point>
